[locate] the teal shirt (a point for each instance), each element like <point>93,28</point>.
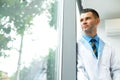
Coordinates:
<point>88,38</point>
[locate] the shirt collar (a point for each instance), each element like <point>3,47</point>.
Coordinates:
<point>88,38</point>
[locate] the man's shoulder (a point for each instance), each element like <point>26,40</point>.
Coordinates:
<point>106,44</point>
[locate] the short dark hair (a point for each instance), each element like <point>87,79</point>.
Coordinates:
<point>95,13</point>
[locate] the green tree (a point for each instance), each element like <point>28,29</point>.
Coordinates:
<point>23,20</point>
<point>51,56</point>
<point>53,14</point>
<point>51,65</point>
<point>20,14</point>
<point>17,16</point>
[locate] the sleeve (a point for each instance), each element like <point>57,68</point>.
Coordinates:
<point>115,65</point>
<point>81,72</point>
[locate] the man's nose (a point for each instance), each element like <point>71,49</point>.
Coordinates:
<point>84,22</point>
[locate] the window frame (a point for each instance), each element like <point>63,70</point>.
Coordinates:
<point>66,57</point>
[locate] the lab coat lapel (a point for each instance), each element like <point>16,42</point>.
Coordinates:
<point>100,49</point>
<point>90,62</point>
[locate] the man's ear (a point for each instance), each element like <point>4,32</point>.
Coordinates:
<point>97,21</point>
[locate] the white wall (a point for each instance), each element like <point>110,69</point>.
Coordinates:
<point>114,41</point>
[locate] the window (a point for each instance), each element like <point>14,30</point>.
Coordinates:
<point>28,39</point>
<point>38,39</point>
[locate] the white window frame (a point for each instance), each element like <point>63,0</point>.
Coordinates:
<point>67,40</point>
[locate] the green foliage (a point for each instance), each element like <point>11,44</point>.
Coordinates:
<point>51,65</point>
<point>3,44</point>
<point>24,73</point>
<point>0,74</point>
<point>53,14</point>
<point>33,71</point>
<point>17,16</point>
<point>38,67</point>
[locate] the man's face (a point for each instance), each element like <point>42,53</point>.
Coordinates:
<point>88,22</point>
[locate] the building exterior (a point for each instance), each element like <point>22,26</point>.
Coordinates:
<point>4,76</point>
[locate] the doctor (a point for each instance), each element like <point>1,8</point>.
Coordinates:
<point>96,60</point>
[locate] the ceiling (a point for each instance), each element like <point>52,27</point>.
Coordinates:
<point>107,9</point>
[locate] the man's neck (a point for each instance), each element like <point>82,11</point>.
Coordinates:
<point>90,34</point>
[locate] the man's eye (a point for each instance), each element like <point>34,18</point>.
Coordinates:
<point>87,18</point>
<point>81,20</point>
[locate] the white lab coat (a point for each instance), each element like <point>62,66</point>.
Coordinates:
<point>106,67</point>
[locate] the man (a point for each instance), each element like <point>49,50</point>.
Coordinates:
<point>96,60</point>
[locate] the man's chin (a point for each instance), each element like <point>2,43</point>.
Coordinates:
<point>85,29</point>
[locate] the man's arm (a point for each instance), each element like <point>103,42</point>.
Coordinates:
<point>115,65</point>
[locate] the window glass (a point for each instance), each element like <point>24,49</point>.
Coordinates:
<point>28,39</point>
